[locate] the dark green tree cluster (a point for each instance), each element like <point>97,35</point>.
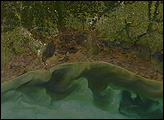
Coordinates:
<point>137,23</point>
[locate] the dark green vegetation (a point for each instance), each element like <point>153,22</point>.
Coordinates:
<point>80,31</point>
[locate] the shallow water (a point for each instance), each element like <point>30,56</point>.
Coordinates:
<point>44,96</point>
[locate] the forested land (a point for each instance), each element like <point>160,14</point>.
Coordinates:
<point>125,33</point>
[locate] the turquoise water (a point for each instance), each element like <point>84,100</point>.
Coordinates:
<point>79,91</point>
<point>114,103</point>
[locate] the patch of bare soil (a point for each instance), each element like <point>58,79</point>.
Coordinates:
<point>73,48</point>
